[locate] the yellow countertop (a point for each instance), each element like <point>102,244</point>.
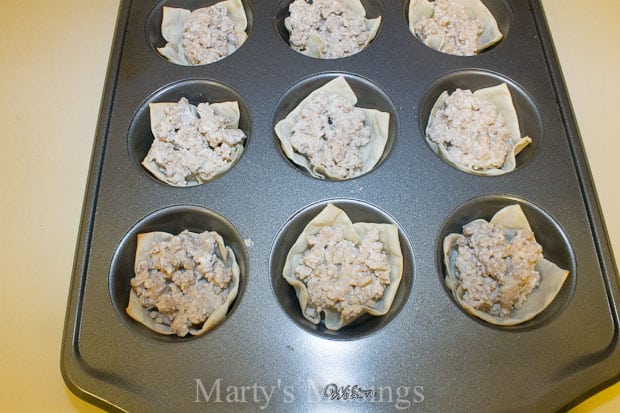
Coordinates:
<point>53,58</point>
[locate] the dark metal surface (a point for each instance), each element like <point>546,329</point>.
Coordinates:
<point>426,354</point>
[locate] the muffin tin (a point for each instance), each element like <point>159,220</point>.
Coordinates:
<point>426,353</point>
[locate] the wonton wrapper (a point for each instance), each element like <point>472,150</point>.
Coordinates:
<point>377,121</point>
<point>334,216</point>
<point>424,9</point>
<point>139,313</point>
<point>500,97</point>
<point>552,277</point>
<point>314,43</point>
<point>173,27</point>
<point>230,110</point>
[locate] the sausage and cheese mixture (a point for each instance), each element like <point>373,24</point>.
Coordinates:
<point>341,275</point>
<point>472,131</point>
<point>210,35</point>
<point>496,266</point>
<point>459,32</point>
<point>343,32</point>
<point>330,132</point>
<point>194,141</point>
<point>182,281</point>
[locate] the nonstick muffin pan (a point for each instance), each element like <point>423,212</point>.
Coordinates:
<point>426,353</point>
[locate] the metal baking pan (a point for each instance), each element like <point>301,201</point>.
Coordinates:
<point>426,353</point>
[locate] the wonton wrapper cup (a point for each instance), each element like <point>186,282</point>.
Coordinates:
<point>377,121</point>
<point>336,217</point>
<point>552,277</point>
<point>229,110</point>
<point>500,97</point>
<point>314,43</point>
<point>424,9</point>
<point>173,27</point>
<point>139,313</point>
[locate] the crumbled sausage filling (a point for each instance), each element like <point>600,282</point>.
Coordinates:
<point>209,35</point>
<point>194,142</point>
<point>496,266</point>
<point>459,32</point>
<point>342,275</point>
<point>472,130</point>
<point>330,132</point>
<point>182,281</point>
<point>342,32</point>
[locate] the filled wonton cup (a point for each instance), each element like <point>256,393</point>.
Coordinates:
<point>424,9</point>
<point>315,45</point>
<point>500,97</point>
<point>173,27</point>
<point>141,314</point>
<point>335,217</point>
<point>377,121</point>
<point>229,110</point>
<point>552,277</point>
